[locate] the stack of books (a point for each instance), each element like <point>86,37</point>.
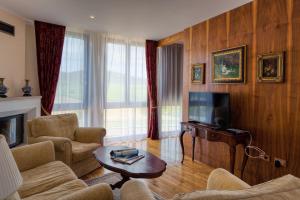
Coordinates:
<point>126,156</point>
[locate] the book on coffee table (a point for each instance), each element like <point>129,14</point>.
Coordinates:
<point>128,161</point>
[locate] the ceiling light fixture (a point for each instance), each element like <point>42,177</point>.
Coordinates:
<point>92,17</point>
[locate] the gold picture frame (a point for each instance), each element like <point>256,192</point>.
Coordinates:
<point>270,68</point>
<point>229,65</point>
<point>198,73</point>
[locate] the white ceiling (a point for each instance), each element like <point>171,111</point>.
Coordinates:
<point>146,19</point>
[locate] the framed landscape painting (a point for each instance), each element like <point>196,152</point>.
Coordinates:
<point>271,68</point>
<point>198,73</point>
<point>229,65</point>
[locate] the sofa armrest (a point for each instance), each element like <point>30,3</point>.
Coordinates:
<point>33,155</point>
<point>136,189</point>
<point>60,143</point>
<point>100,191</point>
<point>220,179</point>
<point>90,135</point>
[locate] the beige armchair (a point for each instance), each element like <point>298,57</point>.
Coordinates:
<point>45,178</point>
<point>73,145</point>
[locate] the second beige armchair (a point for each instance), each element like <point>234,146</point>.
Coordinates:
<point>73,145</point>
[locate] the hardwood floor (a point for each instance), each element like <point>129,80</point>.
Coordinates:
<point>178,178</point>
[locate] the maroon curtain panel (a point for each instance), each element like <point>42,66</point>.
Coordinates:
<point>49,47</point>
<point>151,65</point>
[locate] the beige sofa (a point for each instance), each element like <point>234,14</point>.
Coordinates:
<point>73,145</point>
<point>222,185</point>
<point>47,179</point>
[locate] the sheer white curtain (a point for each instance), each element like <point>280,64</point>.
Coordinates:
<point>169,76</point>
<point>125,89</point>
<point>103,80</point>
<point>96,80</point>
<point>71,94</point>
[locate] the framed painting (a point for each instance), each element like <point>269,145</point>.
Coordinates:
<point>271,68</point>
<point>198,73</point>
<point>229,65</point>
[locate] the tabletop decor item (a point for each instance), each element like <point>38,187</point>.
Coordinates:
<point>126,156</point>
<point>3,88</point>
<point>125,153</point>
<point>10,177</point>
<point>198,73</point>
<point>26,89</point>
<point>229,65</point>
<point>128,161</point>
<point>271,68</point>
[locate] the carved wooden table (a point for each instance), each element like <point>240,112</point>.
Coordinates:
<point>148,167</point>
<point>213,135</point>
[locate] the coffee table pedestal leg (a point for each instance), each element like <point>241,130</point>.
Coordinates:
<point>120,183</point>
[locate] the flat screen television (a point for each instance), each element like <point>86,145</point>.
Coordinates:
<point>210,108</point>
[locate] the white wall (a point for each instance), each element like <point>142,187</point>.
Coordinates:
<point>12,54</point>
<point>31,72</point>
<point>18,55</point>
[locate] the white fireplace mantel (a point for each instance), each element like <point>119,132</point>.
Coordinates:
<point>30,107</point>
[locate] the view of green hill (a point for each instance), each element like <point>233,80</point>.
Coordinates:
<point>71,87</point>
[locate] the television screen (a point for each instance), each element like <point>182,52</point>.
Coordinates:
<point>210,108</point>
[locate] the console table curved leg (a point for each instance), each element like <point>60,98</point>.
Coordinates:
<point>120,183</point>
<point>232,158</point>
<point>181,143</point>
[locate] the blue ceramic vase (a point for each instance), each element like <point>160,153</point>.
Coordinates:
<point>26,89</point>
<point>3,88</point>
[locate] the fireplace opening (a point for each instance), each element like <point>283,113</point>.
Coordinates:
<point>12,127</point>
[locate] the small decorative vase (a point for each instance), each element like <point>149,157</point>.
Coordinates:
<point>26,89</point>
<point>3,88</point>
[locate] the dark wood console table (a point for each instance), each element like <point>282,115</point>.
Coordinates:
<point>210,134</point>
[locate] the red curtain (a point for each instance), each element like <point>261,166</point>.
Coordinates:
<point>49,47</point>
<point>151,64</point>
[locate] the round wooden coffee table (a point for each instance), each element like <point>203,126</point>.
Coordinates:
<point>148,167</point>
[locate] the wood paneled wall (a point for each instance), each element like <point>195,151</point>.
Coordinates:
<point>270,111</point>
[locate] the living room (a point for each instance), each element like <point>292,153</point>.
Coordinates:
<point>149,100</point>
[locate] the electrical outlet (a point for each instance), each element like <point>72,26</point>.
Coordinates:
<point>266,158</point>
<point>279,162</point>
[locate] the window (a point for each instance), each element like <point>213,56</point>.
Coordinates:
<point>103,80</point>
<point>126,90</point>
<point>126,76</point>
<point>116,75</point>
<point>71,92</point>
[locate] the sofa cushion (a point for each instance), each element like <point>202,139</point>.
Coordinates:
<point>136,189</point>
<point>45,177</point>
<point>82,151</point>
<point>286,187</point>
<point>59,191</point>
<point>63,125</point>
